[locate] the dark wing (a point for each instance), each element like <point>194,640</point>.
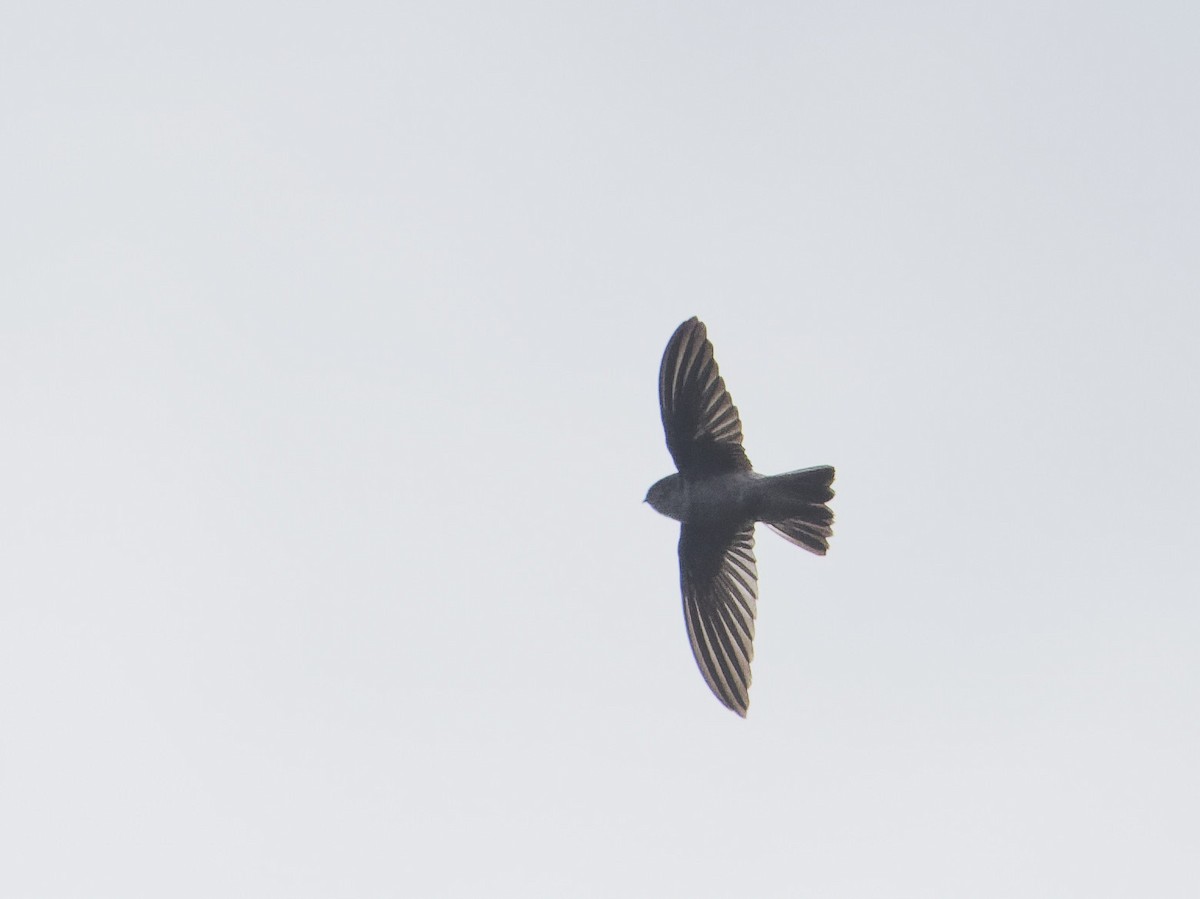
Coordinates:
<point>704,432</point>
<point>720,597</point>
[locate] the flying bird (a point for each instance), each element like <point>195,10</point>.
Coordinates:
<point>717,497</point>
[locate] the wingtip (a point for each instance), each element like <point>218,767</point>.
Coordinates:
<point>734,705</point>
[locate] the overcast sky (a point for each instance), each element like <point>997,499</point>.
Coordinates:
<point>329,338</point>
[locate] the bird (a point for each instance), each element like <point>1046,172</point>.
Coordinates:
<point>717,498</point>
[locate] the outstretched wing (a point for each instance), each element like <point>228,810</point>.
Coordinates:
<point>704,432</point>
<point>719,580</point>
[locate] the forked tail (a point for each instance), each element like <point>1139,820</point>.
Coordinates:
<point>795,507</point>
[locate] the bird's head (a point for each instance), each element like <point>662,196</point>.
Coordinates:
<point>666,497</point>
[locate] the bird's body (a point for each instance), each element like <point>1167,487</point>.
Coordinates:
<point>717,497</point>
<point>737,496</point>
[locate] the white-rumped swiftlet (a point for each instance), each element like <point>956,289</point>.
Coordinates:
<point>717,497</point>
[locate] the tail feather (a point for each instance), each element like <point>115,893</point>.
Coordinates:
<point>796,508</point>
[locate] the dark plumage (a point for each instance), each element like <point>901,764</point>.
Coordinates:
<point>717,497</point>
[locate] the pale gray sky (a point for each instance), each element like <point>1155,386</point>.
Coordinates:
<point>328,346</point>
